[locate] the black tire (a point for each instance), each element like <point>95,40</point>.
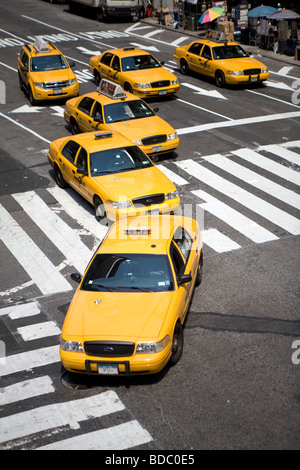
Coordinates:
<point>20,82</point>
<point>199,272</point>
<point>177,344</point>
<point>97,77</point>
<point>31,98</point>
<point>100,213</point>
<point>60,179</point>
<point>220,79</point>
<point>74,126</point>
<point>184,68</point>
<point>128,87</point>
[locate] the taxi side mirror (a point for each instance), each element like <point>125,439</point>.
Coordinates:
<point>184,278</point>
<point>98,119</point>
<point>72,63</point>
<point>24,69</point>
<point>76,277</point>
<point>81,171</point>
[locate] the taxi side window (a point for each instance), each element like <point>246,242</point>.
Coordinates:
<point>116,63</point>
<point>206,52</point>
<point>106,59</point>
<point>195,48</point>
<point>184,242</point>
<point>82,159</point>
<point>85,105</point>
<point>24,59</point>
<point>97,111</point>
<point>177,259</point>
<point>70,150</point>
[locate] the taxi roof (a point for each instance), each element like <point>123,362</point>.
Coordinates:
<point>94,141</point>
<point>127,51</point>
<point>41,47</point>
<point>114,93</point>
<point>212,43</point>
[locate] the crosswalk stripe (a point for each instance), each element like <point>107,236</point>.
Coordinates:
<point>235,219</point>
<point>174,177</point>
<point>26,389</point>
<point>29,360</point>
<point>39,330</point>
<point>33,260</point>
<point>120,437</point>
<point>59,414</point>
<point>255,179</point>
<point>63,236</point>
<point>269,165</point>
<point>289,155</point>
<point>218,241</point>
<point>252,202</point>
<point>20,311</point>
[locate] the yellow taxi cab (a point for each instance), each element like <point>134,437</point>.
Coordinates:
<point>136,71</point>
<point>112,174</point>
<point>127,315</point>
<point>45,73</point>
<point>111,109</point>
<point>226,62</point>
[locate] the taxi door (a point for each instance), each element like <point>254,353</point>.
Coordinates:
<point>66,161</point>
<point>24,68</point>
<point>83,114</point>
<point>205,61</point>
<point>193,57</point>
<point>80,175</point>
<point>104,65</point>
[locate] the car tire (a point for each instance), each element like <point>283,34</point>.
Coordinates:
<point>20,82</point>
<point>74,126</point>
<point>184,68</point>
<point>177,344</point>
<point>220,79</point>
<point>100,213</point>
<point>199,272</point>
<point>33,102</point>
<point>97,77</point>
<point>128,87</point>
<point>59,178</point>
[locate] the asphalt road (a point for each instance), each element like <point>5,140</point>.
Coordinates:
<point>237,383</point>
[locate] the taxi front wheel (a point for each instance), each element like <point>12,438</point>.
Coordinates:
<point>177,344</point>
<point>99,209</point>
<point>220,79</point>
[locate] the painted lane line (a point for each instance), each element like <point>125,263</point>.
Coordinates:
<point>174,177</point>
<point>273,98</point>
<point>255,179</point>
<point>259,206</point>
<point>25,128</point>
<point>27,389</point>
<point>202,91</point>
<point>29,360</point>
<point>203,109</point>
<point>267,164</point>
<point>238,122</point>
<point>234,219</point>
<point>292,157</point>
<point>292,143</point>
<point>33,260</point>
<point>8,66</point>
<point>21,311</point>
<point>39,330</point>
<point>59,414</point>
<point>218,241</point>
<point>119,437</point>
<point>61,234</point>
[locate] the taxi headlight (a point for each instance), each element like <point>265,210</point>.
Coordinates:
<point>39,85</point>
<point>152,347</point>
<point>265,70</point>
<point>72,81</point>
<point>73,346</point>
<point>119,204</point>
<point>138,142</point>
<point>174,82</point>
<point>141,85</point>
<point>172,195</point>
<point>234,72</point>
<point>172,136</point>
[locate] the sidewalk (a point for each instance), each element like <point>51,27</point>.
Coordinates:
<point>254,49</point>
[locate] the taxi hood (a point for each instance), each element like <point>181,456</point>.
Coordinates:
<point>140,128</point>
<point>150,75</point>
<point>136,183</point>
<point>53,75</point>
<point>117,316</point>
<point>241,63</point>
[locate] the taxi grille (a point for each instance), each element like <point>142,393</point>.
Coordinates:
<point>154,139</point>
<point>252,71</point>
<point>108,348</point>
<point>160,84</point>
<point>149,200</point>
<point>51,85</point>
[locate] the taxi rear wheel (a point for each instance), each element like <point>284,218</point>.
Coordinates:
<point>177,344</point>
<point>99,209</point>
<point>184,68</point>
<point>199,272</point>
<point>59,178</point>
<point>220,78</point>
<point>74,126</point>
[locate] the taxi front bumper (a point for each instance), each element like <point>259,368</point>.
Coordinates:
<point>255,78</point>
<point>165,147</point>
<point>44,94</point>
<point>149,92</point>
<point>172,205</point>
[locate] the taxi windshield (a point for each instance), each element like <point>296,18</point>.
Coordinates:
<point>133,272</point>
<point>139,62</point>
<point>127,110</point>
<point>118,160</point>
<point>229,52</point>
<point>48,62</point>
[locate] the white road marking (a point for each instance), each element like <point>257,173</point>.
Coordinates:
<point>21,311</point>
<point>283,153</point>
<point>218,241</point>
<point>119,437</point>
<point>29,360</point>
<point>31,258</point>
<point>39,330</point>
<point>174,177</point>
<point>27,389</point>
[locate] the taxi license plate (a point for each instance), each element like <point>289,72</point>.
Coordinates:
<point>162,92</point>
<point>157,148</point>
<point>108,369</point>
<point>253,79</point>
<point>57,91</point>
<point>153,212</point>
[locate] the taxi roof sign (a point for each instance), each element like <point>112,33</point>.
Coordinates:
<point>138,230</point>
<point>111,89</point>
<point>41,45</point>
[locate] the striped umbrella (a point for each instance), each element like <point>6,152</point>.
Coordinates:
<point>210,15</point>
